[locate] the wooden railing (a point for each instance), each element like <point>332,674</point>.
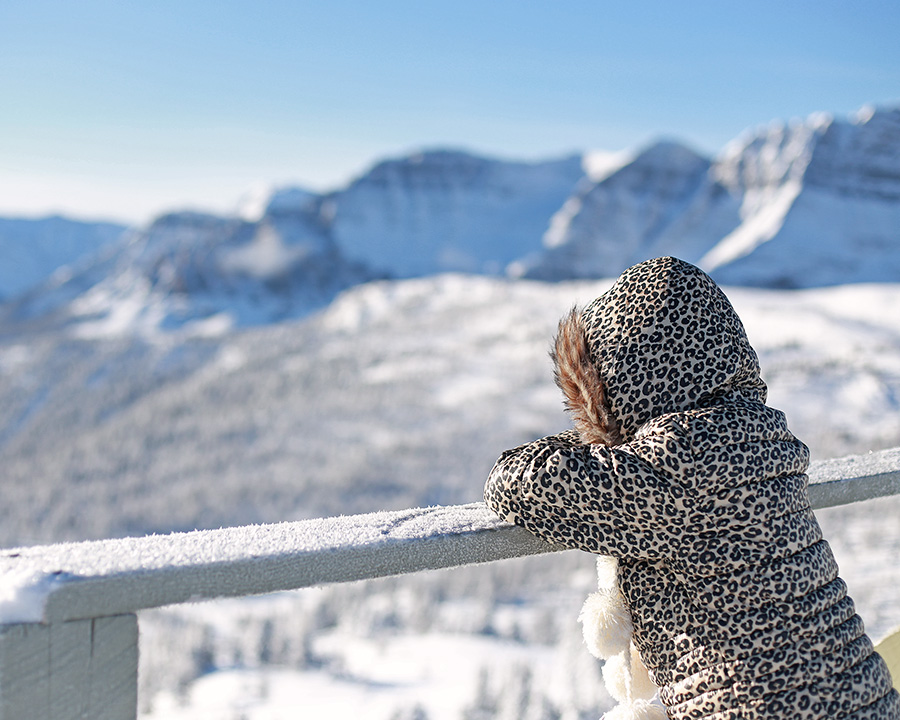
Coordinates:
<point>68,628</point>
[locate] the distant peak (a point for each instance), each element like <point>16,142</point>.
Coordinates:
<point>185,219</point>
<point>435,158</point>
<point>664,149</point>
<point>819,120</point>
<point>448,159</point>
<point>874,114</point>
<point>600,164</point>
<point>251,205</point>
<point>261,200</point>
<point>864,114</point>
<point>440,155</point>
<point>290,199</point>
<point>663,155</point>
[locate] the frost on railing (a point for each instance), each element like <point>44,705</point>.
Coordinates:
<point>68,629</point>
<point>110,577</point>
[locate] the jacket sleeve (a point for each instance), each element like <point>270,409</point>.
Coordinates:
<point>601,499</point>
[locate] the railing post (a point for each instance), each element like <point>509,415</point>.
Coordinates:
<point>74,670</point>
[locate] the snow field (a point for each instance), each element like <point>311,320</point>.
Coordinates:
<point>447,644</point>
<point>399,394</point>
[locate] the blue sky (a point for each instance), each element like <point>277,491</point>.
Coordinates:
<point>124,109</point>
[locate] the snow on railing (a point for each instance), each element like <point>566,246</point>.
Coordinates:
<point>68,629</point>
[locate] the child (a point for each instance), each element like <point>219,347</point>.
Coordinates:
<point>677,469</point>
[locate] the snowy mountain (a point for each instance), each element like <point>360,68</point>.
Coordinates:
<point>199,273</point>
<point>32,250</point>
<point>446,211</point>
<point>293,251</point>
<point>820,203</point>
<point>800,204</point>
<point>288,387</point>
<point>661,202</point>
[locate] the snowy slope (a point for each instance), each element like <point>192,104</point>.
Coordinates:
<point>450,211</point>
<point>491,641</point>
<point>32,250</point>
<point>399,394</point>
<point>402,393</point>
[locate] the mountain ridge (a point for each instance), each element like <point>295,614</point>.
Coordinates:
<point>34,248</point>
<point>787,205</point>
<point>795,204</point>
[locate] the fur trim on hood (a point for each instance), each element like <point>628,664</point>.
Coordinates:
<point>577,376</point>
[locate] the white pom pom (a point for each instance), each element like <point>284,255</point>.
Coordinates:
<point>607,572</point>
<point>638,710</point>
<point>617,678</point>
<point>606,624</point>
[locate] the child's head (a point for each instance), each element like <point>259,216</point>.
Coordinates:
<point>663,338</point>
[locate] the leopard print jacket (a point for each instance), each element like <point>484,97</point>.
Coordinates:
<point>678,469</point>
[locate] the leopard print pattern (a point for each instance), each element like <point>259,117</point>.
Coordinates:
<point>737,606</point>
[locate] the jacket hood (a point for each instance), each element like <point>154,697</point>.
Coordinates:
<point>664,338</point>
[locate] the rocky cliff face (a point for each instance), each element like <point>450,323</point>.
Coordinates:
<point>821,204</point>
<point>797,204</point>
<point>662,202</point>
